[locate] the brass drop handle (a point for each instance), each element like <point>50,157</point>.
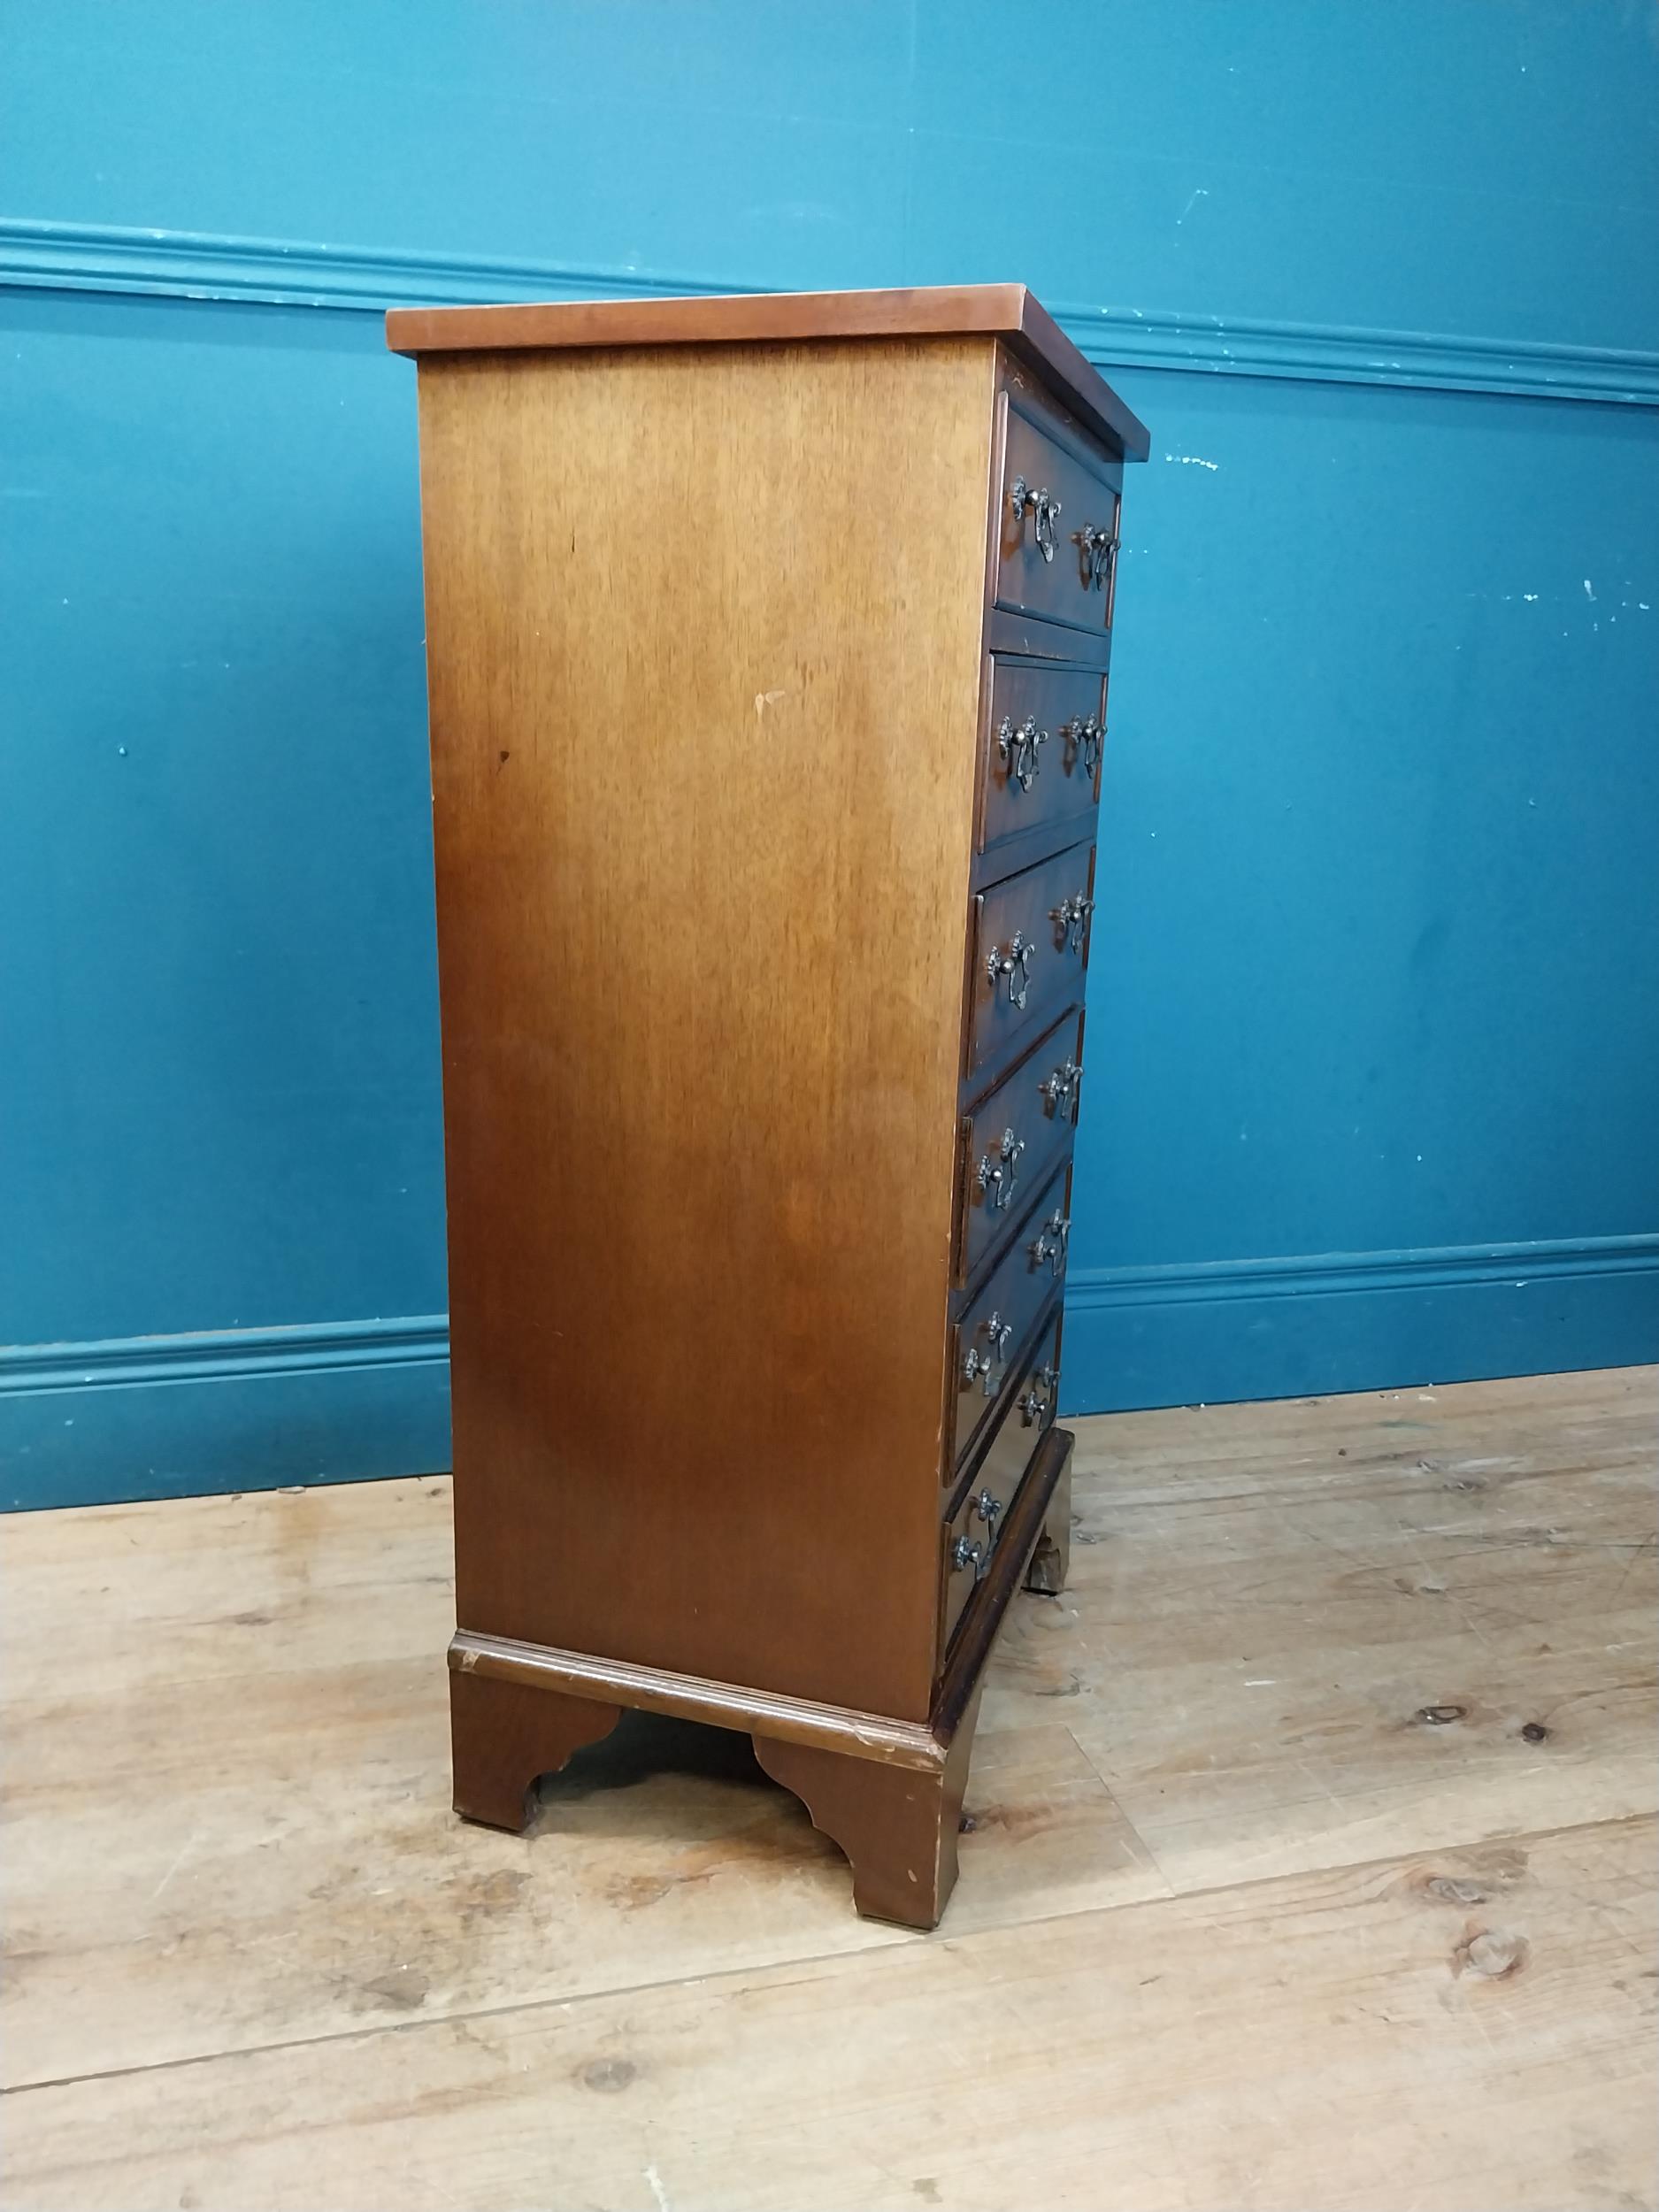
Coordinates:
<point>1089,735</point>
<point>966,1553</point>
<point>1051,1244</point>
<point>998,962</point>
<point>1099,549</point>
<point>985,1364</point>
<point>1038,1403</point>
<point>1072,916</point>
<point>1025,500</point>
<point>1020,749</point>
<point>1060,1089</point>
<point>1000,1179</point>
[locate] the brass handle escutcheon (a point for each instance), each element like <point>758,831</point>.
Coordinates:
<point>985,1364</point>
<point>1025,499</point>
<point>1051,1244</point>
<point>999,1178</point>
<point>1088,735</point>
<point>1097,549</point>
<point>1038,1403</point>
<point>1020,749</point>
<point>1072,916</point>
<point>998,962</point>
<point>964,1553</point>
<point>1060,1089</point>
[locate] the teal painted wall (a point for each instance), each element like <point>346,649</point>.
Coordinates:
<point>1374,1070</point>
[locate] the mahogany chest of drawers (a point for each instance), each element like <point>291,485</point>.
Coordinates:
<point>768,644</point>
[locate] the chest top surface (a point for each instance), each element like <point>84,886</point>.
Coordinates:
<point>1006,312</point>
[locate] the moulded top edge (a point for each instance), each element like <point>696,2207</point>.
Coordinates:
<point>1007,311</point>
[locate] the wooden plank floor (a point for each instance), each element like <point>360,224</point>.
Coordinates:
<point>1312,1863</point>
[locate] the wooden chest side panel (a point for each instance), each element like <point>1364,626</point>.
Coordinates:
<point>703,632</point>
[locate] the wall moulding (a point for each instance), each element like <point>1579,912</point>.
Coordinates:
<point>275,271</point>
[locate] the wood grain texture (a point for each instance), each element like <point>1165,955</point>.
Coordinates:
<point>1464,2028</point>
<point>1007,631</point>
<point>1004,310</point>
<point>1060,705</point>
<point>688,1697</point>
<point>253,1961</point>
<point>1053,584</point>
<point>505,1735</point>
<point>984,1619</point>
<point>996,1178</point>
<point>1358,1625</point>
<point>898,1826</point>
<point>704,658</point>
<point>888,1793</point>
<point>998,1472</point>
<point>1000,1315</point>
<point>1025,911</point>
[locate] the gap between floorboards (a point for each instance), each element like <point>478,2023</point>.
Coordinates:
<point>875,1955</point>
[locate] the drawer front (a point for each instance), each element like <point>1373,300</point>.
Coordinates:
<point>1057,552</point>
<point>1013,1138</point>
<point>1029,949</point>
<point>1043,739</point>
<point>972,1533</point>
<point>990,1337</point>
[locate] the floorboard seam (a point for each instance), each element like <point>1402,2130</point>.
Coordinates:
<point>869,1955</point>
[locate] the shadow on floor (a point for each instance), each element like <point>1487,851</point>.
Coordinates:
<point>644,1747</point>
